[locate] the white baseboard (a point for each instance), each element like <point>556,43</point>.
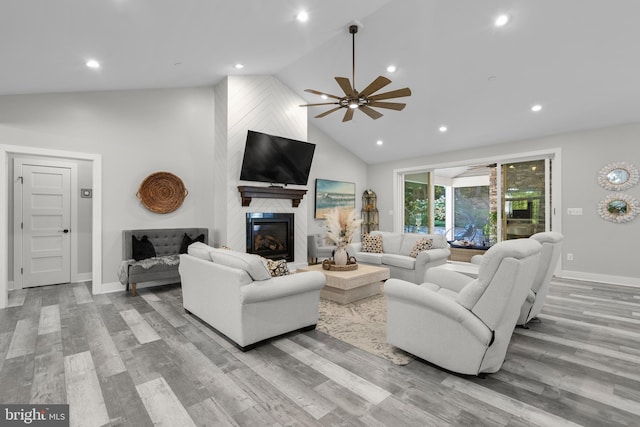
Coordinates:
<point>106,288</point>
<point>83,277</point>
<point>603,278</point>
<point>293,266</point>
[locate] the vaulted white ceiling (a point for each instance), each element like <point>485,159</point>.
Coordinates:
<point>576,58</point>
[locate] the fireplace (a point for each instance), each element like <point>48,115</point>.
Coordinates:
<point>270,235</point>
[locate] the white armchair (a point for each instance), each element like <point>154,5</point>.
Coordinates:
<point>317,248</point>
<point>460,323</point>
<point>551,242</point>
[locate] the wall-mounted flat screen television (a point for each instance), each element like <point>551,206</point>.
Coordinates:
<point>276,160</point>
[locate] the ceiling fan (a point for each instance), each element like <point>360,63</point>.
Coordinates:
<point>364,100</point>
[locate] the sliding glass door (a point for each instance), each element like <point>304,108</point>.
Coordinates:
<point>525,198</point>
<point>479,204</point>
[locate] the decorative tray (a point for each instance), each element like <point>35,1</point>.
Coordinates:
<point>328,264</point>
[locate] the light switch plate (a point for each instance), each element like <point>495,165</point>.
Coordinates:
<point>574,211</point>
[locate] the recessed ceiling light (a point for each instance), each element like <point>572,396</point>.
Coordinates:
<point>391,68</point>
<point>302,16</point>
<point>443,129</point>
<point>501,20</point>
<point>92,63</point>
<point>536,108</point>
<point>239,66</point>
<point>379,142</point>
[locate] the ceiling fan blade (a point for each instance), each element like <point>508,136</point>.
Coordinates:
<point>398,106</point>
<point>345,85</point>
<point>375,86</point>
<point>327,112</point>
<point>393,94</point>
<point>371,112</point>
<point>317,92</point>
<point>348,115</point>
<point>321,103</point>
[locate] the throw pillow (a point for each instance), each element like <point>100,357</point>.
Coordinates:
<point>423,244</point>
<point>143,248</point>
<point>372,243</point>
<point>186,241</point>
<point>277,267</point>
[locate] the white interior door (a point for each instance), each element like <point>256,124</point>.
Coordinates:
<point>46,215</point>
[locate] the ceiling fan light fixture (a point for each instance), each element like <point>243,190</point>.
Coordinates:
<point>365,100</point>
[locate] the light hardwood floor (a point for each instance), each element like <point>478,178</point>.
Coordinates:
<point>140,361</point>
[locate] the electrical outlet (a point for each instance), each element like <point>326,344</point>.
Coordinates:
<point>569,257</point>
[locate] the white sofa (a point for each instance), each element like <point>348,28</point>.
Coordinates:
<point>235,294</point>
<point>396,248</point>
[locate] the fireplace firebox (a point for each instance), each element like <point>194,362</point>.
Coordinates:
<point>271,235</point>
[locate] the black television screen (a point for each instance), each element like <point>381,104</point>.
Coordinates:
<point>275,159</point>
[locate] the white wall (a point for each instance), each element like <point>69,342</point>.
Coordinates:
<point>137,133</point>
<point>332,161</point>
<point>602,250</point>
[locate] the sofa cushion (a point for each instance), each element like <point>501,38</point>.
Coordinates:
<point>199,250</point>
<point>372,243</point>
<point>391,242</point>
<point>401,261</point>
<point>423,244</point>
<point>278,267</point>
<point>186,241</point>
<point>252,264</point>
<point>143,248</point>
<point>369,258</point>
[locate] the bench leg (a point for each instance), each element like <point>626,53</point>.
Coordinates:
<point>133,289</point>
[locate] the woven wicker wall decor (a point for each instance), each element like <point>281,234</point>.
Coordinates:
<point>162,192</point>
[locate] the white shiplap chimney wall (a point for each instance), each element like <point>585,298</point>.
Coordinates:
<point>263,104</point>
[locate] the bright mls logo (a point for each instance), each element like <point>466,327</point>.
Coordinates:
<point>34,415</point>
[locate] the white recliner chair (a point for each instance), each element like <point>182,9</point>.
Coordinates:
<point>551,242</point>
<point>460,323</point>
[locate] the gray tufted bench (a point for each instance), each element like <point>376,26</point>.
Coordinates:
<point>164,266</point>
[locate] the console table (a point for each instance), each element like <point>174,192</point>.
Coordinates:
<point>464,253</point>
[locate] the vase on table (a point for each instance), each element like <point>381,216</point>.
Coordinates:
<point>340,256</point>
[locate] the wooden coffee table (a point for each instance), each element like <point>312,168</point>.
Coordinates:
<point>344,287</point>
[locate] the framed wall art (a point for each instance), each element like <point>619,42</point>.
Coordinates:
<point>334,194</point>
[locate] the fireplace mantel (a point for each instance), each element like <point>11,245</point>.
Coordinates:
<point>248,193</point>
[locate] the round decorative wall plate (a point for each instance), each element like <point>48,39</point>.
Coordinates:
<point>618,208</point>
<point>618,176</point>
<point>162,192</point>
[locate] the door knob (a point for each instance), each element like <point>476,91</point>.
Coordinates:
<point>65,230</point>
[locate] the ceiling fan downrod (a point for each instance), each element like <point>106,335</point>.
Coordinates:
<point>353,29</point>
